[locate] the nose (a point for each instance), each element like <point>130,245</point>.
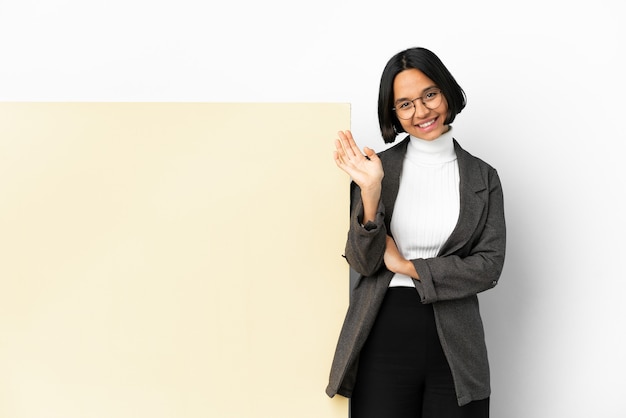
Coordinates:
<point>420,109</point>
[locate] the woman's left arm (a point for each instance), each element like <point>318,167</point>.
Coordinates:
<point>474,269</point>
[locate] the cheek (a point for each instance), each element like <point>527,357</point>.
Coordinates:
<point>443,108</point>
<point>406,124</point>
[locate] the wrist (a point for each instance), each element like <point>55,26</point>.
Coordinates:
<point>407,268</point>
<point>410,270</point>
<point>372,189</point>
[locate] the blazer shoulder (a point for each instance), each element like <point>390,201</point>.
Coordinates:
<point>398,149</point>
<point>468,157</point>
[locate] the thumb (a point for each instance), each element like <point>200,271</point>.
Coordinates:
<point>369,152</point>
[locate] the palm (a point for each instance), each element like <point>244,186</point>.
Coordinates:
<point>366,169</point>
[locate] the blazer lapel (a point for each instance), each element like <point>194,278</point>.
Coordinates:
<point>472,204</point>
<point>392,161</point>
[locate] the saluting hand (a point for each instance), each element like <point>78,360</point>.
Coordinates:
<point>364,168</point>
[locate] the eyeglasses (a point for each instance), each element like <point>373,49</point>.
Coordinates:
<point>406,108</point>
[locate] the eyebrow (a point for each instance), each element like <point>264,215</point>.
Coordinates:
<point>405,99</point>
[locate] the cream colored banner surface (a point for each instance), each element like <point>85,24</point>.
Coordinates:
<point>170,259</point>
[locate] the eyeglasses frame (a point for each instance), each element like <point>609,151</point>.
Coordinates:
<point>421,98</point>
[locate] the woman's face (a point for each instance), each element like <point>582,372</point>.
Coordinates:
<point>425,123</point>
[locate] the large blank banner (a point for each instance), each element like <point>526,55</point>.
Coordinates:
<point>170,259</point>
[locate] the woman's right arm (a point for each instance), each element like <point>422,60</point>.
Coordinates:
<point>365,247</point>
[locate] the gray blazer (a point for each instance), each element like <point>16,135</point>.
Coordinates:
<point>469,262</point>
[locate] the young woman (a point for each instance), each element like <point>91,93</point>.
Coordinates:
<point>427,234</point>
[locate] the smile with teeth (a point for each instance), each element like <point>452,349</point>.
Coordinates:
<point>426,124</point>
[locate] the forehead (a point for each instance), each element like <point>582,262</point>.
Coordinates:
<point>411,83</point>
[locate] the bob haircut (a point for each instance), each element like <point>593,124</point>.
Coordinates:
<point>428,63</point>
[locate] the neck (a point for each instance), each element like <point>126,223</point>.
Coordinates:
<point>439,150</point>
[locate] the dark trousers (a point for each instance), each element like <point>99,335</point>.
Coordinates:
<point>403,372</point>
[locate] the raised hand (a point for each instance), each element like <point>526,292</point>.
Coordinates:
<point>364,168</point>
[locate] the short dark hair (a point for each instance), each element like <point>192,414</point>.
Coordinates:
<point>428,63</point>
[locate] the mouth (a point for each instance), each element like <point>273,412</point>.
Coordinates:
<point>427,124</point>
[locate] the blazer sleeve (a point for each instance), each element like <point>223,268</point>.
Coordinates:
<point>475,267</point>
<point>365,246</point>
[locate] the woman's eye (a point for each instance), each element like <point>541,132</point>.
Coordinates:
<point>404,105</point>
<point>431,95</point>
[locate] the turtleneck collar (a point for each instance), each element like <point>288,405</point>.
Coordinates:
<point>437,151</point>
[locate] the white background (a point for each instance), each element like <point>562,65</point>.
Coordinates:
<point>545,86</point>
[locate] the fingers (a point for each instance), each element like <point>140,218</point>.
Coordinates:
<point>338,157</point>
<point>339,153</point>
<point>347,147</point>
<point>348,144</point>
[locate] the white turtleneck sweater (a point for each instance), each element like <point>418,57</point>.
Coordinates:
<point>428,202</point>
